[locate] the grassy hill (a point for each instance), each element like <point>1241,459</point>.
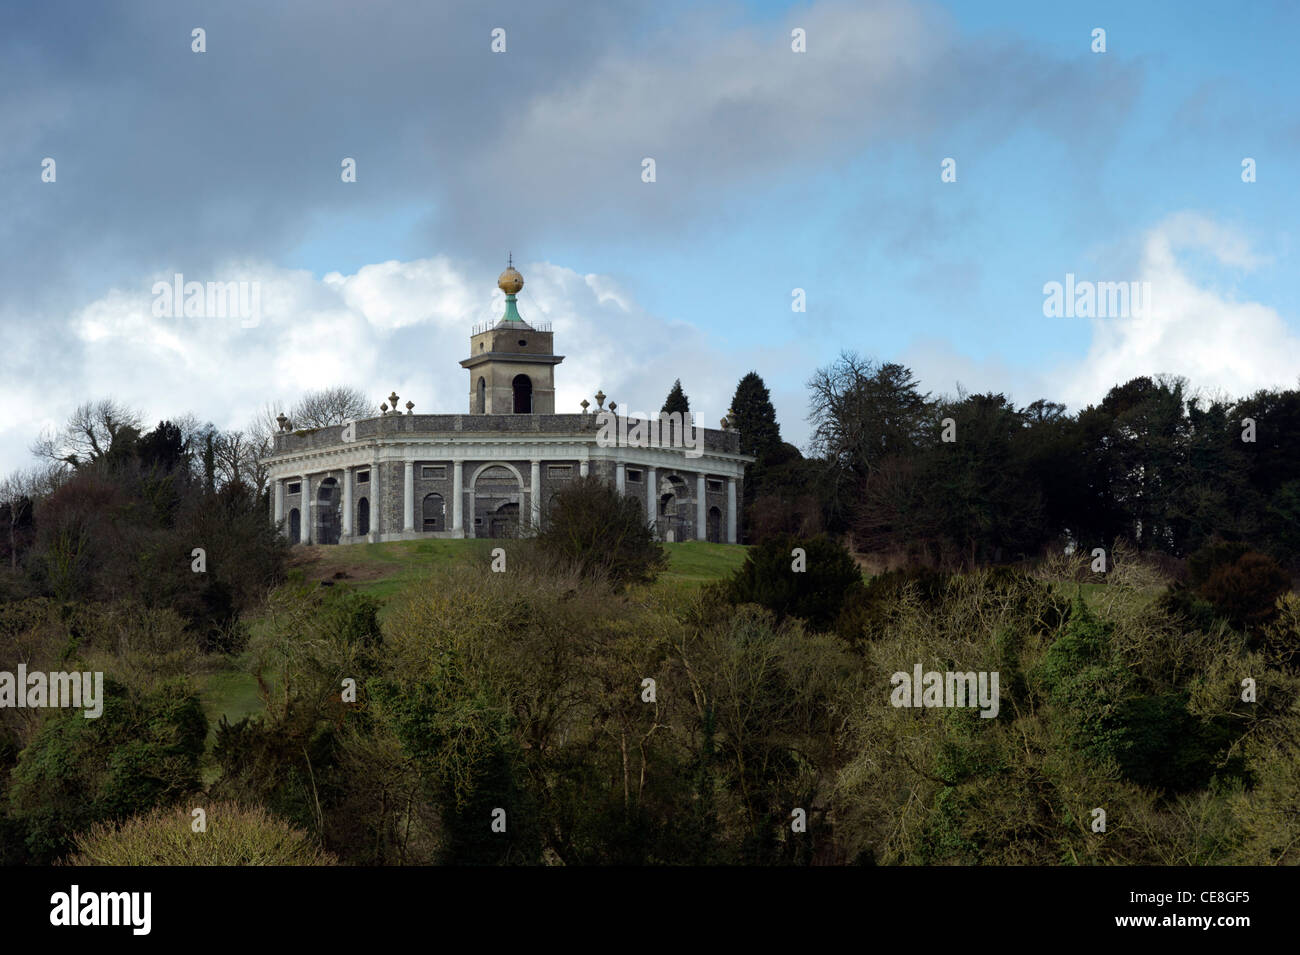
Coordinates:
<point>383,570</point>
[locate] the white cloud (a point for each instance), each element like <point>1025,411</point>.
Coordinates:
<point>392,325</point>
<point>1209,337</point>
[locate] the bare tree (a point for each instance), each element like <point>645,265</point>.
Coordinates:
<point>19,492</point>
<point>330,406</point>
<point>265,424</point>
<point>256,442</point>
<point>239,457</point>
<point>240,452</point>
<point>191,429</point>
<point>89,433</point>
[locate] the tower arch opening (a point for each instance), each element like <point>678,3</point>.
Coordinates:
<point>523,390</point>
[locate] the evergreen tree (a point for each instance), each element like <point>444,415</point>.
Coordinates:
<point>752,413</point>
<point>163,449</point>
<point>677,400</point>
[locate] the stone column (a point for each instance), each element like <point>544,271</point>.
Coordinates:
<point>305,500</point>
<point>376,502</point>
<point>471,509</point>
<point>701,511</point>
<point>583,468</point>
<point>279,500</point>
<point>458,497</point>
<point>408,497</point>
<point>535,494</point>
<point>731,510</point>
<point>347,502</point>
<point>620,476</point>
<point>652,499</point>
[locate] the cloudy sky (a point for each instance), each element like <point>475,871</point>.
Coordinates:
<point>775,170</point>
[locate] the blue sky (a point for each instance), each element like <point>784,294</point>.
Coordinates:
<point>775,170</point>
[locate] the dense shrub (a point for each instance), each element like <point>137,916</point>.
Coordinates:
<point>1245,590</point>
<point>1279,640</point>
<point>142,751</point>
<point>235,835</point>
<point>866,611</point>
<point>118,533</point>
<point>1105,712</point>
<point>589,526</point>
<point>1229,581</point>
<point>814,594</point>
<point>1207,559</point>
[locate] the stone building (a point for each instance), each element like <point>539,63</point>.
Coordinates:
<point>488,473</point>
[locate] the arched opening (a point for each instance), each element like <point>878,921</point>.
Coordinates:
<point>295,526</point>
<point>523,388</point>
<point>674,517</point>
<point>434,512</point>
<point>363,517</point>
<point>497,493</point>
<point>715,525</point>
<point>481,406</point>
<point>329,520</point>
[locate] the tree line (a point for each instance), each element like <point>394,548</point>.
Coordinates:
<point>974,479</point>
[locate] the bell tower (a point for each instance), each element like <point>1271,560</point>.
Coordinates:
<point>511,363</point>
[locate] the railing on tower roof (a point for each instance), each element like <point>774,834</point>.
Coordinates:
<point>501,323</point>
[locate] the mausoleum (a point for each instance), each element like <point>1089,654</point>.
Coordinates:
<point>488,473</point>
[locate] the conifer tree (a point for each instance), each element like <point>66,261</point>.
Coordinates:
<point>752,413</point>
<point>676,400</point>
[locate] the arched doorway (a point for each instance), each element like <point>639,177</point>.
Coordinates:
<point>295,526</point>
<point>497,492</point>
<point>363,517</point>
<point>523,388</point>
<point>481,406</point>
<point>715,525</point>
<point>674,518</point>
<point>328,519</point>
<point>434,513</point>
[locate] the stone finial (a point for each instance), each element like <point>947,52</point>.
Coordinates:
<point>383,408</point>
<point>600,399</point>
<point>613,407</point>
<point>284,422</point>
<point>724,423</point>
<point>585,405</point>
<point>392,400</point>
<point>410,406</point>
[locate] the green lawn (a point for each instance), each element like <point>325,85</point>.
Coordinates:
<point>229,693</point>
<point>382,570</point>
<point>232,693</point>
<point>694,563</point>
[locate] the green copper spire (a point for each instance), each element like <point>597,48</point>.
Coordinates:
<point>512,311</point>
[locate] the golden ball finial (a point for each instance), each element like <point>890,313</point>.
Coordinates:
<point>510,281</point>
